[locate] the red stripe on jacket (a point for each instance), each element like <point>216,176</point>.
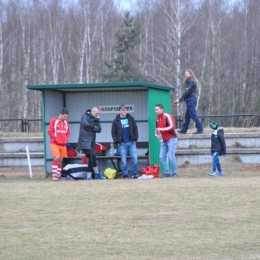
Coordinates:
<point>165,125</point>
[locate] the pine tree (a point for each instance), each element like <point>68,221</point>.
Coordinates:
<point>125,66</point>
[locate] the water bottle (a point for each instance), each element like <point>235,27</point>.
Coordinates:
<point>161,140</point>
<point>112,149</point>
<point>160,137</point>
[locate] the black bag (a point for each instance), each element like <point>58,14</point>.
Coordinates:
<point>74,171</point>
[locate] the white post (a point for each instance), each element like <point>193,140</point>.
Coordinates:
<point>29,161</point>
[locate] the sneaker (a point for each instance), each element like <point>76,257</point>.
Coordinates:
<point>166,176</point>
<point>90,179</point>
<point>219,174</point>
<point>100,176</point>
<point>125,176</point>
<point>181,132</point>
<point>134,177</point>
<point>198,132</point>
<point>56,179</point>
<point>212,173</point>
<point>174,175</point>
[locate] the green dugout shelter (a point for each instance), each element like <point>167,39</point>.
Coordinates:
<point>139,97</point>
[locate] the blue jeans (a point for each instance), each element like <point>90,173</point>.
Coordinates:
<point>191,113</point>
<point>170,148</point>
<point>215,161</point>
<point>124,150</point>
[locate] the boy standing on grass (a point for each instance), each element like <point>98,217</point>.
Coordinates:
<point>218,147</point>
<point>59,133</point>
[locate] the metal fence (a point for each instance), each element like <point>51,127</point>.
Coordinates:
<point>35,125</point>
<point>243,121</point>
<point>21,125</point>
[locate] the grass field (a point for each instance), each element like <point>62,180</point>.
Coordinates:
<point>193,216</point>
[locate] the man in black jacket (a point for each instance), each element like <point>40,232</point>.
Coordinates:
<point>218,147</point>
<point>89,126</point>
<point>125,134</point>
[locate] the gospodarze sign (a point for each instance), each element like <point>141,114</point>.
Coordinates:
<point>115,109</point>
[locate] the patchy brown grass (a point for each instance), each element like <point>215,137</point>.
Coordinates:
<point>193,216</point>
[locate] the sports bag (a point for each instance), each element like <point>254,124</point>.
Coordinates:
<point>75,171</point>
<point>151,170</point>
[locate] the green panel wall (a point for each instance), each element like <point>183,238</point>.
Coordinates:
<point>156,96</point>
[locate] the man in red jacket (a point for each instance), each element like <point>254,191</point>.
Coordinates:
<point>59,133</point>
<point>167,136</point>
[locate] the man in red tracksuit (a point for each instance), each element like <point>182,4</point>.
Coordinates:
<point>167,136</point>
<point>59,133</point>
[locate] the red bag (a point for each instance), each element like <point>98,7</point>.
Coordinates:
<point>100,148</point>
<point>151,170</point>
<point>71,152</point>
<point>84,159</point>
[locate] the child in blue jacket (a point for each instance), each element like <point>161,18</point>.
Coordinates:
<point>218,147</point>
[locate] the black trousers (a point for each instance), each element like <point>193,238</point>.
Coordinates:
<point>92,162</point>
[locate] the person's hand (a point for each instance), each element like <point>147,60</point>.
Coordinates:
<point>176,101</point>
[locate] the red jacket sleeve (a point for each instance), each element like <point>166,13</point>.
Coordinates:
<point>51,130</point>
<point>169,123</point>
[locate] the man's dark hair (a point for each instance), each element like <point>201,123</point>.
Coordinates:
<point>160,106</point>
<point>122,107</point>
<point>64,111</point>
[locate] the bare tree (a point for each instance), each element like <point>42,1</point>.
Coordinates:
<point>1,51</point>
<point>179,17</point>
<point>64,41</point>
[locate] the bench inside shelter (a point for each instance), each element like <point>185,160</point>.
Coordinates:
<point>109,161</point>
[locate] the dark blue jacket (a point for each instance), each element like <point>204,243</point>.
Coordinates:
<point>218,143</point>
<point>190,90</point>
<point>89,126</point>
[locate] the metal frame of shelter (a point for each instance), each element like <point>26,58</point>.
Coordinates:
<point>142,96</point>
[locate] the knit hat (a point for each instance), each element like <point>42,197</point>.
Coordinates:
<point>214,125</point>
